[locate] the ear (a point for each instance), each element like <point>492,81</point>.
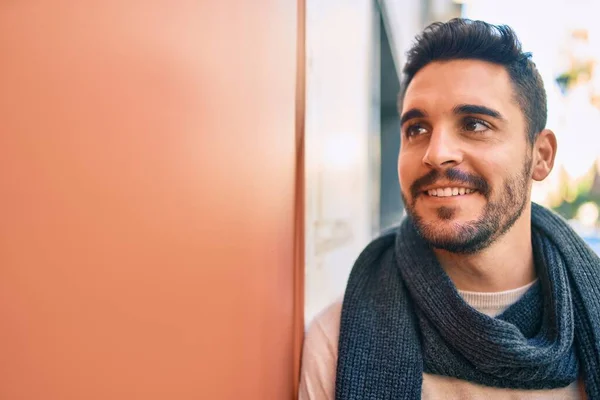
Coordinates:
<point>544,152</point>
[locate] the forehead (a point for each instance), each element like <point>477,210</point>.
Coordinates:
<point>441,85</point>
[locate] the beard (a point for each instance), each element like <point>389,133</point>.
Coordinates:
<point>497,218</point>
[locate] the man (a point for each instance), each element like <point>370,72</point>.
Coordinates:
<point>478,294</point>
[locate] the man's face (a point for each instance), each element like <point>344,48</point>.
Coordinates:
<point>464,163</point>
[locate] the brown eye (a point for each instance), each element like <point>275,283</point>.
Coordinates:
<point>415,130</point>
<point>475,125</point>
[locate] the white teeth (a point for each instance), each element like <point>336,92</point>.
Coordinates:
<point>449,191</point>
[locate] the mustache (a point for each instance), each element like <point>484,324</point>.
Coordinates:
<point>454,176</point>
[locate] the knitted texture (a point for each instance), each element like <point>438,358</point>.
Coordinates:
<point>402,316</point>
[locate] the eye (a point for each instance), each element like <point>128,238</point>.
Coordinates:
<point>475,125</point>
<point>415,130</point>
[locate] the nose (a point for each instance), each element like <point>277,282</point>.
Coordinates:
<point>443,151</point>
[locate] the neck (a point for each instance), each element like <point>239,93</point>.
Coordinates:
<point>504,265</point>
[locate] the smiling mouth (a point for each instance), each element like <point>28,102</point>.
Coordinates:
<point>449,192</point>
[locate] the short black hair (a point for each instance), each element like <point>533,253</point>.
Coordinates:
<point>462,38</point>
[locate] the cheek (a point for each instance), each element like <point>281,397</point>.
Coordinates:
<point>495,174</point>
<point>403,170</point>
<point>408,171</point>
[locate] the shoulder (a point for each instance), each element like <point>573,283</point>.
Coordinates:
<point>319,358</point>
<point>326,325</point>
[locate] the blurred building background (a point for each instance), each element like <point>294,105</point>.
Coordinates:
<point>355,52</point>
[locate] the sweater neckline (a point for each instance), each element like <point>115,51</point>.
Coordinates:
<point>494,303</point>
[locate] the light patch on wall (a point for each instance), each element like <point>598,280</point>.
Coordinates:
<point>341,151</point>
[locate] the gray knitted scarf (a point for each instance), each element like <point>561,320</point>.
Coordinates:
<point>402,316</point>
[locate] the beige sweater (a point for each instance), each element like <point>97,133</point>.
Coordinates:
<point>319,360</point>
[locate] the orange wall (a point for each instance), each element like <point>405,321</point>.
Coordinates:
<point>147,166</point>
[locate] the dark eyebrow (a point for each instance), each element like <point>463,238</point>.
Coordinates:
<point>412,113</point>
<point>474,109</point>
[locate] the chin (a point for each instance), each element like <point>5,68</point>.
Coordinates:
<point>456,235</point>
<point>444,215</point>
<point>458,238</point>
<point>440,229</point>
